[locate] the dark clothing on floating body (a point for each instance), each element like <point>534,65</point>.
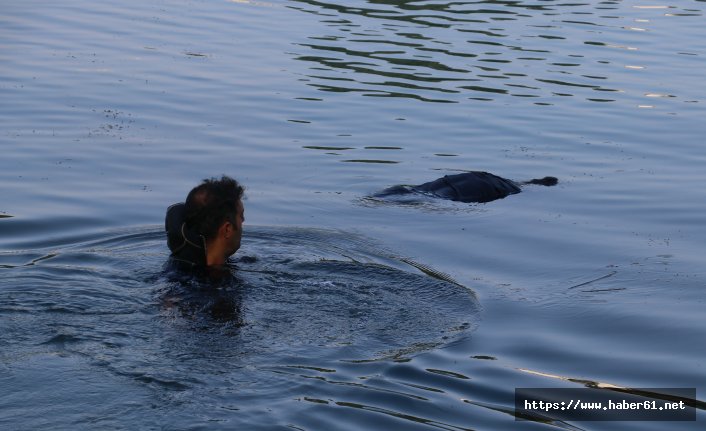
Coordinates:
<point>473,186</point>
<point>470,187</point>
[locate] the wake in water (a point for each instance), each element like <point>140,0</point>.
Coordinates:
<point>290,289</point>
<point>299,288</point>
<point>103,315</point>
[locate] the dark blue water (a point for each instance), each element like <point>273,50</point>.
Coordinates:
<point>344,312</point>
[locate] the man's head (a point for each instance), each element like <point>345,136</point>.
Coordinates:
<point>215,210</point>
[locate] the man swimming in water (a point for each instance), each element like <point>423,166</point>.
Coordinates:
<point>207,229</point>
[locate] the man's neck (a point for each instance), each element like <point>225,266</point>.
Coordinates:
<point>215,255</point>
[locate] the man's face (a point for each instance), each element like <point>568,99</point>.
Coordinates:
<point>237,233</point>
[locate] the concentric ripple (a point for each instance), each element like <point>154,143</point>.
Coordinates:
<point>119,328</point>
<point>295,289</point>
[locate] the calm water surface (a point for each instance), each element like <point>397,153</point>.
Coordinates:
<point>345,312</point>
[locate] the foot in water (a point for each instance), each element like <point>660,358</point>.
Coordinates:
<point>472,186</point>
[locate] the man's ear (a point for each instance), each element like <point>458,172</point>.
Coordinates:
<point>226,228</point>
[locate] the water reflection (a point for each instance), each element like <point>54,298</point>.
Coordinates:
<point>448,52</point>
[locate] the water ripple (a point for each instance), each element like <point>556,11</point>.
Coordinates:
<point>431,57</point>
<point>324,297</point>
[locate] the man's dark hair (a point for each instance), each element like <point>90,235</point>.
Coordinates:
<point>211,203</point>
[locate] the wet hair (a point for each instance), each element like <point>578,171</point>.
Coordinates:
<point>211,203</point>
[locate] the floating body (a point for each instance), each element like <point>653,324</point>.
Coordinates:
<point>472,186</point>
